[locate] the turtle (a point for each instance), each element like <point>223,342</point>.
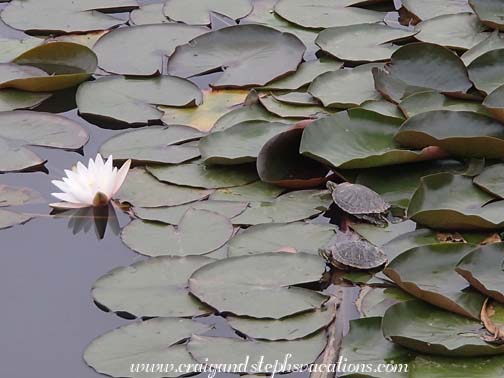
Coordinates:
<point>359,201</point>
<point>354,254</point>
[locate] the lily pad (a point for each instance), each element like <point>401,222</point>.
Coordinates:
<point>493,42</point>
<point>146,342</point>
<point>10,48</point>
<point>494,103</point>
<point>296,98</point>
<point>15,196</point>
<point>457,31</point>
<point>383,107</point>
<point>286,110</point>
<point>289,207</point>
<point>260,286</point>
<point>428,273</point>
<point>444,367</point>
<point>24,128</point>
<point>357,138</point>
<point>220,351</point>
<point>460,133</point>
<point>174,214</point>
<point>345,88</point>
<point>491,180</point>
<point>380,235</point>
<point>289,328</point>
<point>321,14</point>
<point>154,144</point>
<point>11,218</point>
<point>483,269</point>
<point>134,100</point>
<point>240,51</point>
<point>361,43</point>
<point>426,9</point>
<point>240,143</point>
<point>487,70</point>
<point>490,12</point>
<point>277,237</point>
<point>197,12</point>
<point>13,99</point>
<point>254,192</point>
<point>140,50</point>
<point>447,201</point>
<point>409,240</point>
<point>422,327</point>
<point>61,16</point>
<point>151,288</point>
<point>199,175</point>
<point>199,232</point>
<point>375,301</point>
<point>148,14</point>
<point>158,194</point>
<point>215,104</point>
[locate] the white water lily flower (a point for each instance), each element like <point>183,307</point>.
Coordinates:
<point>94,185</point>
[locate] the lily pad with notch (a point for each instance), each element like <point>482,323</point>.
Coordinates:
<point>197,12</point>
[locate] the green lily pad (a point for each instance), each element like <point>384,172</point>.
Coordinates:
<point>493,42</point>
<point>383,107</point>
<point>158,194</point>
<point>345,88</point>
<point>379,235</point>
<point>61,16</point>
<point>286,110</point>
<point>447,201</point>
<point>490,12</point>
<point>220,351</point>
<point>199,232</point>
<point>260,286</point>
<point>242,50</point>
<point>418,67</point>
<point>15,196</point>
<point>483,269</point>
<point>24,128</point>
<point>289,207</point>
<point>133,100</point>
<point>361,43</point>
<point>454,132</point>
<point>375,301</point>
<point>296,98</point>
<point>240,143</point>
<point>487,71</point>
<point>147,342</point>
<point>407,241</point>
<point>426,9</point>
<point>458,31</point>
<point>357,138</point>
<point>423,102</point>
<point>305,74</point>
<point>148,14</point>
<point>289,328</point>
<point>10,48</point>
<point>365,344</point>
<point>145,47</point>
<point>174,214</point>
<point>13,99</point>
<point>491,180</point>
<point>151,288</point>
<point>444,367</point>
<point>428,273</point>
<point>321,14</point>
<point>426,329</point>
<point>254,192</point>
<point>199,175</point>
<point>154,144</point>
<point>288,237</point>
<point>494,103</point>
<point>197,12</point>
<point>11,218</point>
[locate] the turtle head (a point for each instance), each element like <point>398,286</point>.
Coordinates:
<point>331,185</point>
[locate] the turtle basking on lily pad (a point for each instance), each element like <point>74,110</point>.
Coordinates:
<point>354,254</point>
<point>359,201</point>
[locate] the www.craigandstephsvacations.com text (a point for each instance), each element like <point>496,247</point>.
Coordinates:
<point>261,365</point>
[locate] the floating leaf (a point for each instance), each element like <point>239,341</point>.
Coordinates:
<point>10,218</point>
<point>375,301</point>
<point>148,14</point>
<point>154,144</point>
<point>428,273</point>
<point>15,196</point>
<point>197,12</point>
<point>22,128</point>
<point>357,138</point>
<point>490,12</point>
<point>493,42</point>
<point>483,269</point>
<point>134,100</point>
<point>199,232</point>
<point>152,287</point>
<point>255,192</point>
<point>240,143</point>
<point>409,240</point>
<point>286,110</point>
<point>296,98</point>
<point>61,16</point>
<point>383,107</point>
<point>487,71</point>
<point>320,14</point>
<point>458,31</point>
<point>260,286</point>
<point>345,88</point>
<point>253,55</point>
<point>361,43</point>
<point>379,235</point>
<point>426,9</point>
<point>444,367</point>
<point>148,342</point>
<point>200,175</point>
<point>13,99</point>
<point>143,190</point>
<point>10,48</point>
<point>493,102</point>
<point>146,46</point>
<point>277,237</point>
<point>454,132</point>
<point>289,207</point>
<point>426,329</point>
<point>220,351</point>
<point>491,180</point>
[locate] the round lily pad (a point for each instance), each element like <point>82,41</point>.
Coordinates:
<point>493,42</point>
<point>494,103</point>
<point>490,12</point>
<point>445,367</point>
<point>491,180</point>
<point>257,191</point>
<point>487,71</point>
<point>409,240</point>
<point>11,218</point>
<point>148,14</point>
<point>260,286</point>
<point>13,99</point>
<point>426,9</point>
<point>197,12</point>
<point>15,196</point>
<point>286,110</point>
<point>375,301</point>
<point>10,48</point>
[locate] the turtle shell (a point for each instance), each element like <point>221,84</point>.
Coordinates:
<point>358,199</point>
<point>358,254</point>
